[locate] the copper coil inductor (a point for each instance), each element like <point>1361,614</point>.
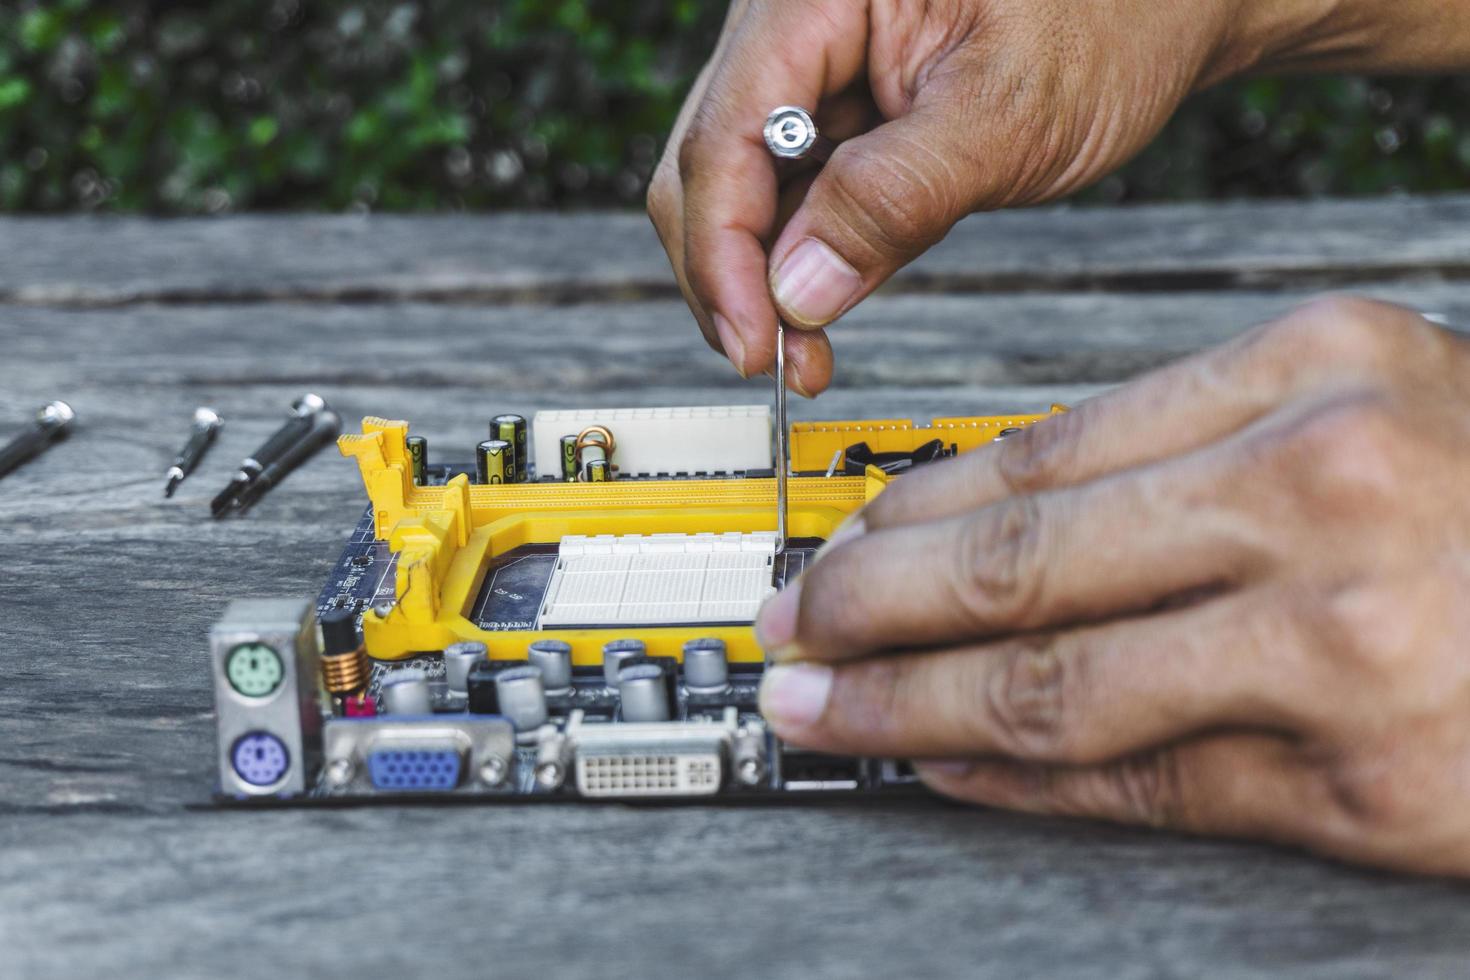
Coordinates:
<point>344,658</point>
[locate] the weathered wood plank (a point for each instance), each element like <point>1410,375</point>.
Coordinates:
<point>134,375</point>
<point>110,592</point>
<point>845,892</point>
<point>108,261</point>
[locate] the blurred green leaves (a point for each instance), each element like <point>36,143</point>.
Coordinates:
<point>188,108</point>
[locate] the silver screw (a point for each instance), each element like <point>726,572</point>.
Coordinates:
<point>339,772</point>
<point>492,771</point>
<point>750,770</point>
<point>550,775</point>
<point>791,134</point>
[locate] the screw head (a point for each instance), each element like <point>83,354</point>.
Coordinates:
<point>492,771</point>
<point>339,772</point>
<point>790,132</point>
<point>750,770</point>
<point>550,775</point>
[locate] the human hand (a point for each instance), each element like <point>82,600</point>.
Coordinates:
<point>988,104</point>
<point>1227,598</point>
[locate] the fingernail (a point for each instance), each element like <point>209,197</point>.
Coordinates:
<point>730,340</point>
<point>944,768</point>
<point>795,695</point>
<point>814,283</point>
<point>775,624</point>
<point>851,528</point>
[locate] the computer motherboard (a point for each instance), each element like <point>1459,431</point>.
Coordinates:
<point>566,616</point>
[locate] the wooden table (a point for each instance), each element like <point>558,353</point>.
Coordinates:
<point>113,862</point>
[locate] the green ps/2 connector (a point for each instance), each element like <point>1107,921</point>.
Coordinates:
<point>254,669</point>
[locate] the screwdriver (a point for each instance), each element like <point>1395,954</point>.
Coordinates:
<point>326,426</point>
<point>790,134</point>
<point>51,423</point>
<point>206,426</point>
<point>303,410</point>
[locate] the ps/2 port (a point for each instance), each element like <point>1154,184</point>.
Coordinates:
<point>254,669</point>
<point>260,758</point>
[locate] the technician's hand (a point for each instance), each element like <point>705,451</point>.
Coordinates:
<point>989,103</point>
<point>1232,597</point>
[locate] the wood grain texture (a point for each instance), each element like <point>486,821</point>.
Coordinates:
<point>599,256</point>
<point>114,864</point>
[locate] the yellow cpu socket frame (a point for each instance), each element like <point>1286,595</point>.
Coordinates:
<point>448,536</point>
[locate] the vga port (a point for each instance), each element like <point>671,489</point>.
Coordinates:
<point>417,754</point>
<point>426,769</point>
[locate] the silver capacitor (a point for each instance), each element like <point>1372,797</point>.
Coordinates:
<point>458,659</point>
<point>554,657</point>
<point>406,692</point>
<point>644,694</point>
<point>706,666</point>
<point>614,652</point>
<point>522,697</point>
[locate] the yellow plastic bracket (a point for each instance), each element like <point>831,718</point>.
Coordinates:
<point>447,537</point>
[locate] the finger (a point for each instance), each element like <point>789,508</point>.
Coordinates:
<point>1190,403</point>
<point>882,199</point>
<point>789,53</point>
<point>808,362</point>
<point>666,191</point>
<point>1076,697</point>
<point>1114,546</point>
<point>1235,785</point>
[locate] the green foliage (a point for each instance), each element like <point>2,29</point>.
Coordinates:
<point>184,108</point>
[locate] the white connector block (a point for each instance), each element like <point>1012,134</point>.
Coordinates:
<point>711,439</point>
<point>659,579</point>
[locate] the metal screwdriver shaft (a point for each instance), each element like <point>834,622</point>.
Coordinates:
<point>206,426</point>
<point>51,423</point>
<point>325,426</point>
<point>791,134</point>
<point>303,411</point>
<point>783,452</point>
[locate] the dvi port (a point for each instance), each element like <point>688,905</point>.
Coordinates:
<point>674,758</point>
<point>649,775</point>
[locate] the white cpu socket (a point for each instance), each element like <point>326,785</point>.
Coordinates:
<point>659,579</point>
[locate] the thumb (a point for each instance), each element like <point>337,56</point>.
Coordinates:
<point>882,199</point>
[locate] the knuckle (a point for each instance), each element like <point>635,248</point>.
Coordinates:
<point>997,566</point>
<point>1027,704</point>
<point>703,127</point>
<point>1347,454</point>
<point>892,205</point>
<point>1352,331</point>
<point>662,195</point>
<point>1376,798</point>
<point>1147,789</point>
<point>1040,455</point>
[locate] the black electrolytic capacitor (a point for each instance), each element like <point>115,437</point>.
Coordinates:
<point>483,697</point>
<point>494,462</point>
<point>418,456</point>
<point>569,458</point>
<point>513,429</point>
